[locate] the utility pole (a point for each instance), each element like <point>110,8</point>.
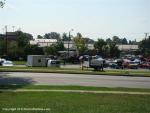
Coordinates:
<point>69,44</point>
<point>6,41</point>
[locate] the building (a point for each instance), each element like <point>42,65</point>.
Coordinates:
<point>90,46</point>
<point>71,45</point>
<point>43,42</point>
<point>128,47</point>
<point>9,35</point>
<point>49,42</point>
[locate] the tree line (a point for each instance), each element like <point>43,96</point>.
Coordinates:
<point>20,48</point>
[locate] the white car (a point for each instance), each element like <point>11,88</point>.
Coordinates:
<point>53,63</point>
<point>1,61</point>
<point>8,63</point>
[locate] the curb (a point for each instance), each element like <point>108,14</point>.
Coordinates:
<point>63,72</point>
<point>77,91</point>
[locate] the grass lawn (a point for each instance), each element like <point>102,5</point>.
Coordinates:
<point>47,87</point>
<point>75,71</point>
<point>75,102</point>
<point>59,102</point>
<point>19,62</point>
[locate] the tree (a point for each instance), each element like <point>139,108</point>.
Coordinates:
<point>39,37</point>
<point>80,44</point>
<point>50,50</point>
<point>52,35</point>
<point>145,46</point>
<point>100,45</point>
<point>2,47</point>
<point>12,49</point>
<point>124,41</point>
<point>54,48</point>
<point>60,46</point>
<point>79,35</point>
<point>108,41</point>
<point>89,41</point>
<point>23,38</point>
<point>116,39</point>
<point>65,37</point>
<point>113,50</point>
<point>33,50</point>
<point>2,3</point>
<point>130,42</point>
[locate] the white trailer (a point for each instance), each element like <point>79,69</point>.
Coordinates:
<point>37,61</point>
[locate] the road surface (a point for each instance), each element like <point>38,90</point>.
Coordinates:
<point>74,79</point>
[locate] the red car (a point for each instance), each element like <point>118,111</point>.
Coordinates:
<point>145,65</point>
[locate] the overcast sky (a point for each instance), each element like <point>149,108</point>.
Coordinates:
<point>93,18</point>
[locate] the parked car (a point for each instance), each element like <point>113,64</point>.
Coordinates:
<point>53,63</point>
<point>145,65</point>
<point>114,65</point>
<point>133,65</point>
<point>8,63</point>
<point>1,61</point>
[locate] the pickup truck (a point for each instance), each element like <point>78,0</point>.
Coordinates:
<point>93,62</point>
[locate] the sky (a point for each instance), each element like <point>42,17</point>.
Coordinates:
<point>92,18</point>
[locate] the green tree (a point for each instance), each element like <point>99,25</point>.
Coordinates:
<point>65,37</point>
<point>50,50</point>
<point>33,50</point>
<point>2,47</point>
<point>60,46</point>
<point>12,49</point>
<point>124,41</point>
<point>100,46</point>
<point>22,40</point>
<point>80,44</point>
<point>39,37</point>
<point>113,50</point>
<point>117,40</point>
<point>145,46</point>
<point>108,41</point>
<point>89,41</point>
<point>52,35</point>
<point>54,48</point>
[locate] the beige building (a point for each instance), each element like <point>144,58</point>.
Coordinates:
<point>48,42</point>
<point>43,42</point>
<point>128,47</point>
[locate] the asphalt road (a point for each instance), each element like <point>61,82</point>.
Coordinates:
<point>74,79</point>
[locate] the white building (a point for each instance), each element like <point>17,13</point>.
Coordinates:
<point>128,47</point>
<point>48,42</point>
<point>43,42</point>
<point>71,45</point>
